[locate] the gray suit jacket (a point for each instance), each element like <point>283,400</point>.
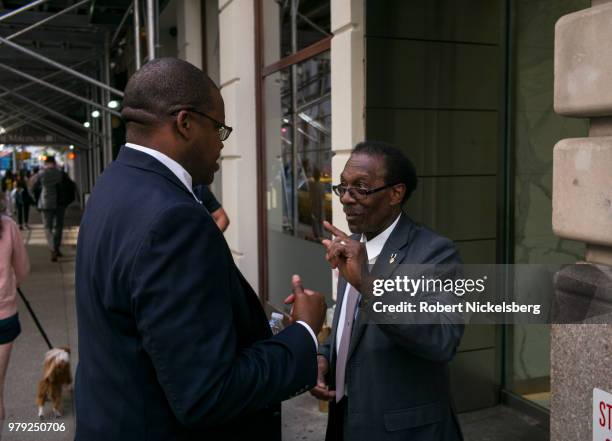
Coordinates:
<point>397,375</point>
<point>48,179</point>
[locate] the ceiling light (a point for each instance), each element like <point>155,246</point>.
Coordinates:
<point>87,124</point>
<point>113,104</point>
<point>95,114</point>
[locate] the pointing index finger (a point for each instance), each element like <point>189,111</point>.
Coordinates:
<point>333,230</point>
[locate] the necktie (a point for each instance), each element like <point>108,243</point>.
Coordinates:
<point>345,340</point>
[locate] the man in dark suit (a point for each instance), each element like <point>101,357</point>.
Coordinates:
<point>173,342</point>
<point>384,381</point>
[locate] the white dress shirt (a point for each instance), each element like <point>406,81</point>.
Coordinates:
<point>373,248</point>
<point>176,168</point>
<point>186,179</point>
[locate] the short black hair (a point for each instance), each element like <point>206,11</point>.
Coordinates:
<point>398,168</point>
<point>50,160</point>
<point>163,86</point>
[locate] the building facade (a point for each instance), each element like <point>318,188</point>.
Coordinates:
<point>470,90</point>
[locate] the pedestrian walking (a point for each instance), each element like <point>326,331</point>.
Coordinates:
<point>21,202</point>
<point>52,189</point>
<point>7,183</point>
<point>14,266</point>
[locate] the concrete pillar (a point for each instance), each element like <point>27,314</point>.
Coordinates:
<point>582,210</point>
<point>211,28</point>
<point>347,90</point>
<point>239,156</point>
<point>189,31</point>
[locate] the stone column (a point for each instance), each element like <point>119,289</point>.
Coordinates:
<point>189,27</point>
<point>581,355</point>
<point>239,155</point>
<point>347,90</point>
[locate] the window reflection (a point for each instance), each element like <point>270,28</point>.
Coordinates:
<point>298,133</point>
<point>292,25</point>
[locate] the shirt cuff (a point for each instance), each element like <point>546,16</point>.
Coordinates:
<point>311,332</point>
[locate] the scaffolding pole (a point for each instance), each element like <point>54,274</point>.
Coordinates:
<point>46,20</point>
<point>151,30</point>
<point>60,66</point>
<point>58,89</point>
<point>137,53</point>
<point>22,9</point>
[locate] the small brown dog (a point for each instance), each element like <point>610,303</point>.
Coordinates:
<point>56,374</point>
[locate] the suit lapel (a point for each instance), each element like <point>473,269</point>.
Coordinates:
<point>134,158</point>
<point>393,253</point>
<point>394,250</point>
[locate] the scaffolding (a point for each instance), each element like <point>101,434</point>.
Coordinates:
<point>57,85</point>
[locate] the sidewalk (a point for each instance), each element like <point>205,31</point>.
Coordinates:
<point>303,421</point>
<point>50,291</point>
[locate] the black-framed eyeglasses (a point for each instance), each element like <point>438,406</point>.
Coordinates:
<point>357,192</point>
<point>224,131</point>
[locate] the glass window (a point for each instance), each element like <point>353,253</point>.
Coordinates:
<point>292,25</point>
<point>297,124</point>
<point>298,147</point>
<point>536,129</point>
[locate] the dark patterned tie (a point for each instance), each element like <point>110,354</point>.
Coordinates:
<point>345,340</point>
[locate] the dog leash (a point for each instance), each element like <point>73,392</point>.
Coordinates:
<point>38,325</point>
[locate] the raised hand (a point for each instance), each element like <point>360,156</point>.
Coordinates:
<point>307,305</point>
<point>346,254</point>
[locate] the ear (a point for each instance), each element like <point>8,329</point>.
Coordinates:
<point>183,124</point>
<point>397,194</point>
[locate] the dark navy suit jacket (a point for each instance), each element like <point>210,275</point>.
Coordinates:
<point>173,342</point>
<point>397,373</point>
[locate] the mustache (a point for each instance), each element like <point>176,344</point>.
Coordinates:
<point>353,212</point>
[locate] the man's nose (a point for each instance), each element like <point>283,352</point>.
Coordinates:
<point>347,198</point>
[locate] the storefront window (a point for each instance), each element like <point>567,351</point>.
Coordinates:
<point>296,125</point>
<point>293,25</point>
<point>536,129</point>
<point>298,141</point>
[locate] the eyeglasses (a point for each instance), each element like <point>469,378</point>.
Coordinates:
<point>224,131</point>
<point>357,193</point>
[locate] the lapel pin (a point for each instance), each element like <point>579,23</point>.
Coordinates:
<point>392,258</point>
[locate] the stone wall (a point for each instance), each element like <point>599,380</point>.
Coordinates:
<point>582,210</point>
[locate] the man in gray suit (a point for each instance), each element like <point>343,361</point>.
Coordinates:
<point>384,381</point>
<point>46,185</point>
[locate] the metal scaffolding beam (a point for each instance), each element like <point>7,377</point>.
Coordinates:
<point>46,77</point>
<point>48,125</point>
<point>40,119</point>
<point>45,108</point>
<point>59,66</point>
<point>45,126</point>
<point>48,19</point>
<point>151,55</point>
<point>121,24</point>
<point>137,53</point>
<point>31,110</point>
<point>20,10</point>
<point>42,124</point>
<point>59,89</point>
